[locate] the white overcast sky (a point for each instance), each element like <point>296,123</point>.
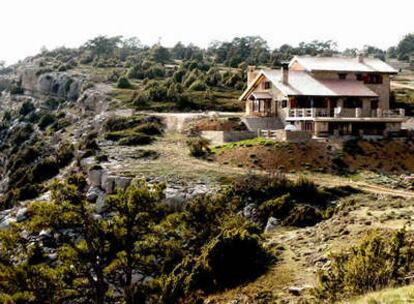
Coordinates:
<point>27,25</point>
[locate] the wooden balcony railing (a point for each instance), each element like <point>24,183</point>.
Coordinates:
<point>344,112</point>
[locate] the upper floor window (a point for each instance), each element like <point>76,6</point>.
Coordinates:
<point>342,75</point>
<point>370,78</point>
<point>267,85</point>
<point>373,79</point>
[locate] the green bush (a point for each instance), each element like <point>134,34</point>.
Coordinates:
<point>198,146</point>
<point>123,83</point>
<point>20,134</point>
<point>65,154</point>
<point>380,260</point>
<point>27,108</point>
<point>198,85</point>
<point>149,128</point>
<point>136,139</point>
<point>45,169</point>
<point>302,216</point>
<point>233,257</point>
<point>279,207</point>
<point>46,120</point>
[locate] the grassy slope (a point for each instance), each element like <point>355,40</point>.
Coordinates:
<point>395,296</point>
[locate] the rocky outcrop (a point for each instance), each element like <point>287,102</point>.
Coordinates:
<point>5,82</point>
<point>93,100</point>
<point>38,82</point>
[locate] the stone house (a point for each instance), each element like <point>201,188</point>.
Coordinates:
<point>324,96</point>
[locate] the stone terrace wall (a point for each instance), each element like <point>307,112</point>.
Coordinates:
<point>220,137</point>
<point>293,136</point>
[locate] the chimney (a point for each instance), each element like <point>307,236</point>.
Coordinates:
<point>285,72</point>
<point>360,57</point>
<point>251,74</point>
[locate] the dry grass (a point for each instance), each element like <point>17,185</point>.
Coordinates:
<point>399,295</point>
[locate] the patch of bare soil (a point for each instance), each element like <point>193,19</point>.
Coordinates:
<point>392,156</point>
<point>286,157</point>
<point>388,156</point>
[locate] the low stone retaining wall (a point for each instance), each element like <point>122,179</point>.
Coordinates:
<point>221,137</point>
<point>293,136</point>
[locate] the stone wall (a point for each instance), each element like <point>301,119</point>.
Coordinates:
<point>221,137</point>
<point>293,136</point>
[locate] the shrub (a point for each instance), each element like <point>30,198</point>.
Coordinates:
<point>45,169</point>
<point>140,100</point>
<point>46,120</point>
<point>198,146</point>
<point>232,257</point>
<point>149,128</point>
<point>121,123</point>
<point>21,133</point>
<point>279,207</point>
<point>123,83</point>
<point>26,108</point>
<point>65,154</point>
<point>302,216</point>
<point>135,139</point>
<point>378,261</point>
<point>198,85</point>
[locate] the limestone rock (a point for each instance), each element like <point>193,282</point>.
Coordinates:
<point>94,193</point>
<point>95,176</point>
<point>272,223</point>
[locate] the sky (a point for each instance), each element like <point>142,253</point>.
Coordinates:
<point>28,25</point>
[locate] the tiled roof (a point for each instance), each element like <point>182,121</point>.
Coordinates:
<point>343,64</point>
<point>302,83</point>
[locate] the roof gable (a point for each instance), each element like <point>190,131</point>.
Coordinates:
<point>302,83</point>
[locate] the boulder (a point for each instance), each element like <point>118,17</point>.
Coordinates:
<point>122,182</point>
<point>95,176</point>
<point>21,214</point>
<point>7,222</point>
<point>93,193</point>
<point>100,204</point>
<point>250,211</point>
<point>57,84</point>
<point>108,183</point>
<point>272,223</point>
<point>93,101</point>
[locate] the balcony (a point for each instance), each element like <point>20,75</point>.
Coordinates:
<point>338,112</point>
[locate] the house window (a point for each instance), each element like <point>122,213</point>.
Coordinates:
<point>359,77</point>
<point>267,85</point>
<point>373,79</point>
<point>342,75</point>
<point>284,103</point>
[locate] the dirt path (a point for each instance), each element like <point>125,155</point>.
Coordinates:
<point>333,180</point>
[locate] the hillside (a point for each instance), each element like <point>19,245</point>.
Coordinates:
<point>108,195</point>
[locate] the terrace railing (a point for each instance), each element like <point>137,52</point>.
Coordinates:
<point>339,112</point>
